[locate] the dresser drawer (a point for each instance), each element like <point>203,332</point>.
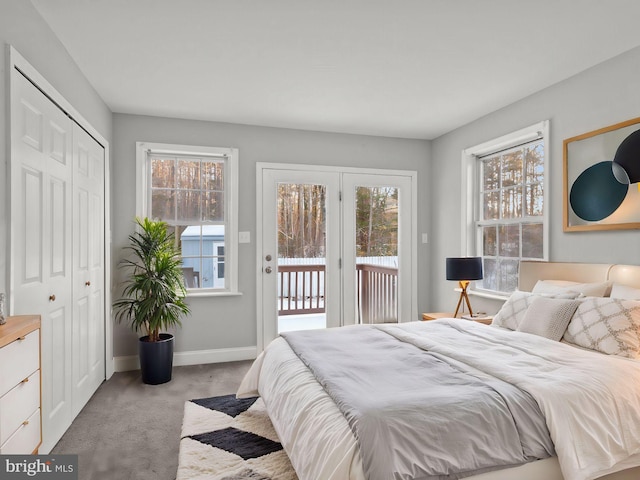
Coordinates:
<point>19,359</point>
<point>26,439</point>
<point>18,404</point>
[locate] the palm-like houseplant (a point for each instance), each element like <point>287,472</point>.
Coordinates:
<point>153,296</point>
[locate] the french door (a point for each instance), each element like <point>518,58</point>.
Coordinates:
<point>336,247</point>
<point>301,227</point>
<point>377,248</point>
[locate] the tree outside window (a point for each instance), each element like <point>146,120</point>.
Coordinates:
<point>511,213</point>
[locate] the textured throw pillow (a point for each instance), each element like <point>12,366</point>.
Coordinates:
<point>548,317</point>
<point>513,310</point>
<point>607,325</point>
<point>624,292</point>
<point>598,289</point>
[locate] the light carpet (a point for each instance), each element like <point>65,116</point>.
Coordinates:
<point>224,438</point>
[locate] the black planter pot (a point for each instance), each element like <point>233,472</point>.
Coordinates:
<point>156,359</point>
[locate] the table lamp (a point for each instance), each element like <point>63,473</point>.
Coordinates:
<point>464,269</point>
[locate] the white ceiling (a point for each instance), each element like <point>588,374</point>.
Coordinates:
<point>399,68</point>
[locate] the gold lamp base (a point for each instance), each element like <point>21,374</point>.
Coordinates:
<point>463,295</point>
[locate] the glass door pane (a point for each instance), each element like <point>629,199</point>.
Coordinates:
<point>301,232</point>
<point>376,239</point>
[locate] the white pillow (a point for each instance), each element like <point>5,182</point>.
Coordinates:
<point>598,289</point>
<point>607,325</point>
<point>557,283</point>
<point>514,309</point>
<point>548,317</point>
<point>625,293</point>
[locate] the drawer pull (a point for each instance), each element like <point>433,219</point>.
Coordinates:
<point>21,338</point>
<point>25,380</point>
<point>87,283</point>
<point>25,423</point>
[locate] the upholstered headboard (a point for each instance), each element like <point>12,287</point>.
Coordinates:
<point>531,272</point>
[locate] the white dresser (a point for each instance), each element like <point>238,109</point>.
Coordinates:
<point>20,422</point>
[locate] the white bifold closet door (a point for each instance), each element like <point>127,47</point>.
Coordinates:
<point>57,250</point>
<point>88,268</point>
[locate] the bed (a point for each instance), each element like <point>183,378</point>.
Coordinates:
<point>589,401</point>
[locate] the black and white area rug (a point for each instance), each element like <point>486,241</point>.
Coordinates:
<point>224,438</point>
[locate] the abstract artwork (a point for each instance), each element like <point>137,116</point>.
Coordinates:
<point>602,179</point>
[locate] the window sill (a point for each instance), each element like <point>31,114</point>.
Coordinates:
<point>490,295</point>
<point>485,294</point>
<point>210,293</point>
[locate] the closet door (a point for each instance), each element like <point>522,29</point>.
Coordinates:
<point>40,241</point>
<point>88,267</point>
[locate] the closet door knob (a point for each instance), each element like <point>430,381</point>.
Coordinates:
<point>52,298</point>
<point>87,283</point>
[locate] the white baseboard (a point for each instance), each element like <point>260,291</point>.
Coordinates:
<point>195,357</point>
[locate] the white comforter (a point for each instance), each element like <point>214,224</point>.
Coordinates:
<point>591,401</point>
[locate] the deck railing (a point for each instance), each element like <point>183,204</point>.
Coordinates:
<point>301,291</point>
<point>377,289</point>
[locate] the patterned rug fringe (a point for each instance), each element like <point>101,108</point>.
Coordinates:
<point>224,438</point>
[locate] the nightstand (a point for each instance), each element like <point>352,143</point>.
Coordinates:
<point>435,315</point>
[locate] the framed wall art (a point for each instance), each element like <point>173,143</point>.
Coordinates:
<point>601,179</point>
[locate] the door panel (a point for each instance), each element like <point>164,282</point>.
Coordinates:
<point>30,268</point>
<point>57,217</point>
<point>377,213</point>
<point>88,268</point>
<point>295,289</point>
<point>58,392</point>
<point>40,239</point>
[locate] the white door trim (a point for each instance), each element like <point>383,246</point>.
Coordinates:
<point>261,166</point>
<point>17,61</point>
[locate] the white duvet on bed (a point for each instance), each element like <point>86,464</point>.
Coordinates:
<point>591,401</point>
<point>312,430</point>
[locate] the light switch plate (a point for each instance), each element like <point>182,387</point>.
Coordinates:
<point>244,237</point>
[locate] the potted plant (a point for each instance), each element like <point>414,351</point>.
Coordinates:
<point>153,296</point>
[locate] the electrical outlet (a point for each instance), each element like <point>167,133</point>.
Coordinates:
<point>244,237</point>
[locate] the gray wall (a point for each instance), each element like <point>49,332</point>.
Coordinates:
<point>22,27</point>
<point>227,322</point>
<point>601,96</point>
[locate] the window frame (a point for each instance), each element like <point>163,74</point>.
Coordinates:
<point>471,240</point>
<point>143,188</point>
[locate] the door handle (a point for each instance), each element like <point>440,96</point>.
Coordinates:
<point>268,270</point>
<point>87,283</point>
<point>52,298</point>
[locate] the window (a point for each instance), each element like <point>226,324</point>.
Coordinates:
<point>506,219</point>
<point>193,189</point>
